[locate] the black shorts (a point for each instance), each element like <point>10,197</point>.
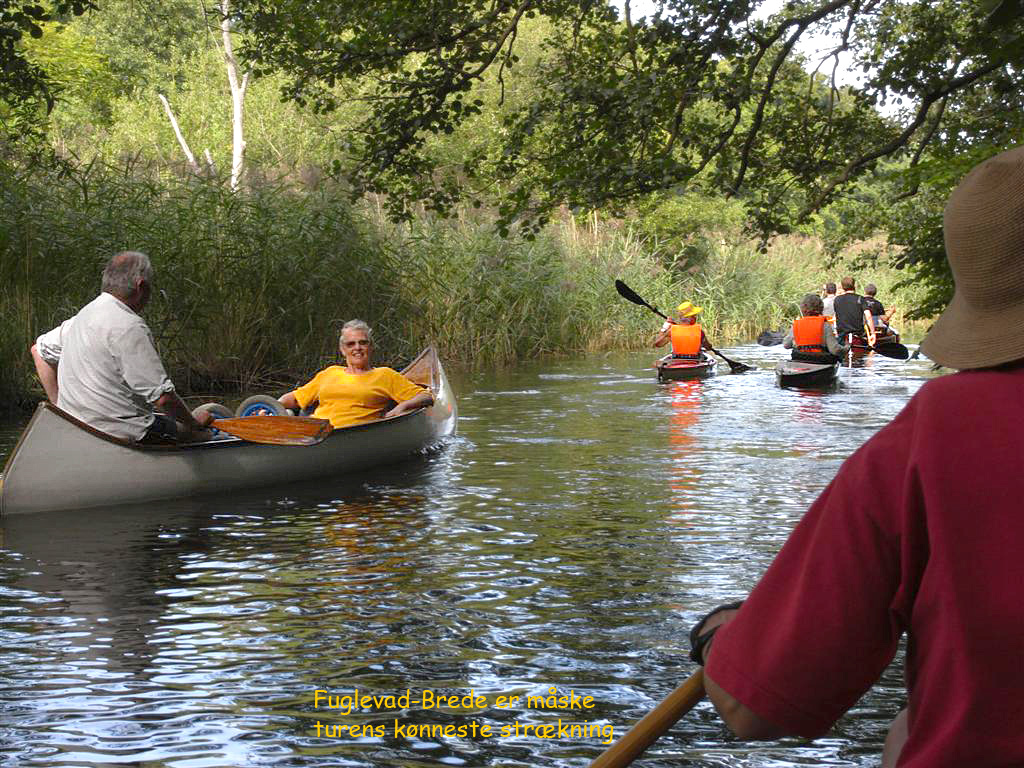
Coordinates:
<point>163,429</point>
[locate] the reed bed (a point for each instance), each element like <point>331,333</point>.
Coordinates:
<point>252,288</point>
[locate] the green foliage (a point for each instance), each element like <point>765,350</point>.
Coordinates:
<point>78,74</point>
<point>24,83</point>
<point>149,43</point>
<point>681,230</point>
<point>702,92</point>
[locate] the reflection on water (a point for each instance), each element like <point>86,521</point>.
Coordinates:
<point>568,538</point>
<point>684,458</point>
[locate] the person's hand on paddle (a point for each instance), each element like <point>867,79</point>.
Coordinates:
<point>704,630</point>
<point>200,429</point>
<point>205,418</point>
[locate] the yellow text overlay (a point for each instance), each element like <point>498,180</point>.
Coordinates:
<point>347,703</point>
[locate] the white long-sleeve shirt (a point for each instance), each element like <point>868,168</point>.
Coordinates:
<point>109,373</point>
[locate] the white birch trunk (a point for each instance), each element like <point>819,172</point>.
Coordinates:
<point>177,132</point>
<point>237,98</point>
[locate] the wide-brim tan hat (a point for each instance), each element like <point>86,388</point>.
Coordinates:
<point>983,227</point>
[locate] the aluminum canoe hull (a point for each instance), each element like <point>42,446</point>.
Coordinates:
<point>60,463</point>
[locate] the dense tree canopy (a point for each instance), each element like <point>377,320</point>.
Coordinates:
<point>704,89</point>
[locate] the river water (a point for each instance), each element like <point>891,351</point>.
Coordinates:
<point>583,518</point>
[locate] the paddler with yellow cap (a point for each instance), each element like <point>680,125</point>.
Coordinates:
<point>685,333</point>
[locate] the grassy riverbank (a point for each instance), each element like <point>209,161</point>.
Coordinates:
<point>252,288</point>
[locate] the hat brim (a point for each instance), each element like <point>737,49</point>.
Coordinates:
<point>964,337</point>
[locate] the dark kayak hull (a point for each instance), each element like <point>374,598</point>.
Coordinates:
<point>676,369</point>
<point>801,375</point>
<point>860,343</point>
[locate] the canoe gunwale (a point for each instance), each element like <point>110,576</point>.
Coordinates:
<point>227,442</point>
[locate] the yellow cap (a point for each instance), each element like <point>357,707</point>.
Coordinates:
<point>686,309</point>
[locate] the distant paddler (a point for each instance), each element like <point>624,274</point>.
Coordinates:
<point>828,299</point>
<point>687,337</point>
<point>811,338</point>
<point>849,309</point>
<point>357,392</point>
<point>875,317</point>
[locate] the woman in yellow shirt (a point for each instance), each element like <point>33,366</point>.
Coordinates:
<point>357,393</point>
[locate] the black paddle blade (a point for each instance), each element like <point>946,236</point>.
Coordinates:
<point>733,365</point>
<point>893,350</point>
<point>628,293</point>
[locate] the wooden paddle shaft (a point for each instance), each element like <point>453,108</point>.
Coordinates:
<point>652,725</point>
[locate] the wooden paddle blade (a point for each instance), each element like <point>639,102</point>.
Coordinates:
<point>276,430</point>
<point>652,725</point>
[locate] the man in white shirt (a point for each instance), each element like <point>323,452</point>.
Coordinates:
<point>108,372</point>
<point>828,299</point>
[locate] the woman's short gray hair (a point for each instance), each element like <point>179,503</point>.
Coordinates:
<point>124,270</point>
<point>356,325</point>
<point>812,304</point>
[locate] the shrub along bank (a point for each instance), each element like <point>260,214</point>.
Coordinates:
<point>252,288</point>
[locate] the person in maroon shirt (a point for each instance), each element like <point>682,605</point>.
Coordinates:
<point>935,551</point>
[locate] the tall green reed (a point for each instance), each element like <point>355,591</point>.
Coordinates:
<point>252,288</point>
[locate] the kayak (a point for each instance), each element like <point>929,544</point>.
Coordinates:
<point>859,343</point>
<point>678,368</point>
<point>800,374</point>
<point>61,463</point>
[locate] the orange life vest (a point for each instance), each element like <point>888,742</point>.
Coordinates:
<point>807,332</point>
<point>685,339</point>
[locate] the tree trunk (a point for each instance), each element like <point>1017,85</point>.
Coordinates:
<point>177,132</point>
<point>237,98</point>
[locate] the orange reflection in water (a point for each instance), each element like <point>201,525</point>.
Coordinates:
<point>811,405</point>
<point>684,467</point>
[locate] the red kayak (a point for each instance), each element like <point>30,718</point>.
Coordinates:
<point>671,368</point>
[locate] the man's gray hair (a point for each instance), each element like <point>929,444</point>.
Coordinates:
<point>123,271</point>
<point>356,325</point>
<point>812,304</point>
